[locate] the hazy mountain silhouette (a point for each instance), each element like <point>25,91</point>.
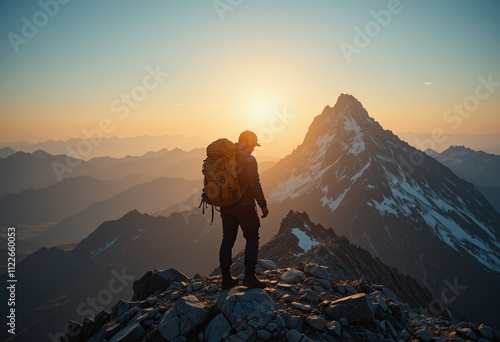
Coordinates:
<point>40,169</point>
<point>424,141</point>
<point>401,205</point>
<point>21,171</point>
<point>6,152</point>
<point>174,163</point>
<point>51,204</point>
<point>148,197</point>
<point>115,147</point>
<point>479,168</point>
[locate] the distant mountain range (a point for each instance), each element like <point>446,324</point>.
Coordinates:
<point>110,147</point>
<point>479,168</point>
<point>64,208</point>
<point>56,202</point>
<point>6,151</point>
<point>488,143</point>
<point>41,169</point>
<point>148,197</point>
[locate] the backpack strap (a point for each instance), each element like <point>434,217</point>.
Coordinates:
<point>204,204</point>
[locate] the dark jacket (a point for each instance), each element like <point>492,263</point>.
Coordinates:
<point>248,176</point>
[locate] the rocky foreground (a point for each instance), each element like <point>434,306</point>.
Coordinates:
<point>301,304</point>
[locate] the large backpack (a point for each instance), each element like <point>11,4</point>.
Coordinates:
<point>220,175</point>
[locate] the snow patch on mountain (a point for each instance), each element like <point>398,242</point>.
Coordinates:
<point>453,235</point>
<point>386,207</point>
<point>291,188</point>
<point>295,186</point>
<point>305,241</point>
<point>408,197</point>
<point>140,232</point>
<point>360,172</point>
<point>332,203</point>
<point>98,251</point>
<point>357,145</point>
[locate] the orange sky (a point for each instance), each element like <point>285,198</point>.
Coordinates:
<point>181,68</point>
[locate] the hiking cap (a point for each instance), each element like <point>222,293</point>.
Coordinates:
<point>248,136</point>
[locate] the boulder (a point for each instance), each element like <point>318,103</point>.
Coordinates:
<point>162,279</point>
<point>141,286</point>
<point>318,271</point>
<point>120,308</point>
<point>424,335</point>
<point>350,289</point>
<point>154,281</point>
<point>293,276</point>
<point>254,308</point>
<point>316,322</point>
<point>486,332</point>
<point>265,265</point>
<point>310,296</point>
<point>218,329</point>
<point>295,322</point>
<point>74,331</point>
<point>355,308</point>
<point>131,333</point>
<point>293,336</point>
<point>335,328</point>
<point>183,318</point>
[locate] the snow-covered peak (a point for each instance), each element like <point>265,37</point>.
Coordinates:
<point>384,194</point>
<point>344,130</point>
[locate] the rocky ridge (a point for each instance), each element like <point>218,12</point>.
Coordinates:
<point>299,304</point>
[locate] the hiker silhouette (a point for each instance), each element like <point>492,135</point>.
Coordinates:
<point>243,214</point>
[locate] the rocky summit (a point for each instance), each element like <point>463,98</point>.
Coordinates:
<point>298,304</point>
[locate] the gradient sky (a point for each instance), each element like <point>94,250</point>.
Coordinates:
<point>268,66</point>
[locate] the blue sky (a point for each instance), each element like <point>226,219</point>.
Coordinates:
<point>234,68</point>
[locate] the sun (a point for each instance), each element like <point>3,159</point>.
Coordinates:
<point>261,109</point>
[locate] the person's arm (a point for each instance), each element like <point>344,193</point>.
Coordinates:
<point>265,212</point>
<point>254,185</point>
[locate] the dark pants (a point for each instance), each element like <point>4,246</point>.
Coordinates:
<point>248,219</point>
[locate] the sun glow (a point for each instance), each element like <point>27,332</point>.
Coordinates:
<point>261,110</point>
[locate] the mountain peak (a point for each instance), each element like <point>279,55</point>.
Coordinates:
<point>391,199</point>
<point>347,122</point>
<point>6,151</point>
<point>342,132</point>
<point>345,100</point>
<point>347,106</point>
<point>41,154</point>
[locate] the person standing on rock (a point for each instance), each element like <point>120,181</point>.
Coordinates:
<point>243,214</point>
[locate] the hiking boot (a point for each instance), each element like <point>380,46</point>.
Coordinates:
<point>251,281</point>
<point>228,282</point>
